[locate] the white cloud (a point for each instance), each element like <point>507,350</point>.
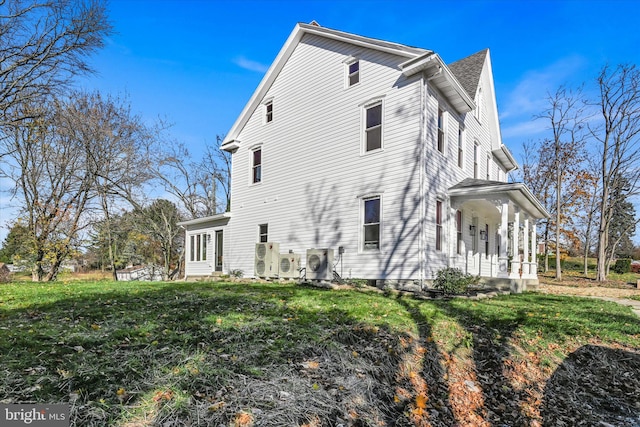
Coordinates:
<point>250,65</point>
<point>529,95</point>
<point>523,129</point>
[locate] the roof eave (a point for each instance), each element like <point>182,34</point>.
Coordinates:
<point>506,158</point>
<point>516,187</point>
<point>196,221</point>
<point>442,77</point>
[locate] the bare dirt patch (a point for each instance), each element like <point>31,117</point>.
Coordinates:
<point>589,291</point>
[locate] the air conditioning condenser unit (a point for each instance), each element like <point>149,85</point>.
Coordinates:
<point>289,266</point>
<point>266,260</point>
<point>319,264</point>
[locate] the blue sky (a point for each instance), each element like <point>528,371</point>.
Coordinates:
<point>196,62</point>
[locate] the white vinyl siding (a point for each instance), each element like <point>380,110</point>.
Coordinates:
<point>317,174</point>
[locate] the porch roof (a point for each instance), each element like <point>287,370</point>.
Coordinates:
<point>206,219</point>
<point>516,192</point>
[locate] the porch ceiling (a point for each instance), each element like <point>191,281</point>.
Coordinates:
<point>495,192</point>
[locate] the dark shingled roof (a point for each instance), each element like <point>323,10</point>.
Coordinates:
<point>471,182</point>
<point>467,71</point>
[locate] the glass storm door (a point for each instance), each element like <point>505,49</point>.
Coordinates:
<point>219,246</point>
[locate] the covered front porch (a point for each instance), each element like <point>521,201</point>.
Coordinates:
<point>495,227</point>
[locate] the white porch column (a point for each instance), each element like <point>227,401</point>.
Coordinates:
<point>515,261</point>
<point>526,264</point>
<point>533,269</point>
<point>503,259</point>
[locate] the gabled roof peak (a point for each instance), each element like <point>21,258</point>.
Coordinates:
<point>468,71</point>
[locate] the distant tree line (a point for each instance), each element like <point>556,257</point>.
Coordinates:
<point>90,176</point>
<point>587,172</point>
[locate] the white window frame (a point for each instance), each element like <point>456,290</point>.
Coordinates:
<point>441,125</point>
<point>268,111</point>
<point>365,108</point>
<point>460,147</point>
<point>459,228</point>
<point>478,112</point>
<point>488,167</point>
<point>252,175</point>
<point>364,225</point>
<point>348,73</point>
<point>439,221</point>
<point>263,235</point>
<point>198,247</point>
<point>476,159</point>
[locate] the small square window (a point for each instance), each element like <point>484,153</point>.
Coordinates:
<point>268,108</point>
<point>371,223</point>
<point>353,73</point>
<point>257,166</point>
<point>373,131</point>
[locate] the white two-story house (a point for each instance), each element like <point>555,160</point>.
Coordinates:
<point>379,152</point>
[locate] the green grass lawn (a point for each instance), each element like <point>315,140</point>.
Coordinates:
<point>135,354</point>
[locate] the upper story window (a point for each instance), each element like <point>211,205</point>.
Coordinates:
<point>268,112</point>
<point>353,72</point>
<point>441,133</point>
<point>476,159</point>
<point>373,127</point>
<point>371,223</point>
<point>460,148</point>
<point>438,225</point>
<point>256,166</point>
<point>263,233</point>
<point>488,167</point>
<point>479,105</point>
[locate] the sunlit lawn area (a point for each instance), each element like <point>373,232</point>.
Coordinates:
<point>136,353</point>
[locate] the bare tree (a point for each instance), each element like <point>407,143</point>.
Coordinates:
<point>565,116</point>
<point>49,173</point>
<point>216,168</point>
<point>117,145</point>
<point>618,135</point>
<point>195,183</point>
<point>43,45</point>
<point>160,221</point>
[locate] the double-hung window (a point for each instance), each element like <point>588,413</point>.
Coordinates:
<point>460,148</point>
<point>371,223</point>
<point>438,225</point>
<point>476,159</point>
<point>268,112</point>
<point>373,127</point>
<point>353,72</point>
<point>263,233</point>
<point>256,166</point>
<point>488,167</point>
<point>441,133</point>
